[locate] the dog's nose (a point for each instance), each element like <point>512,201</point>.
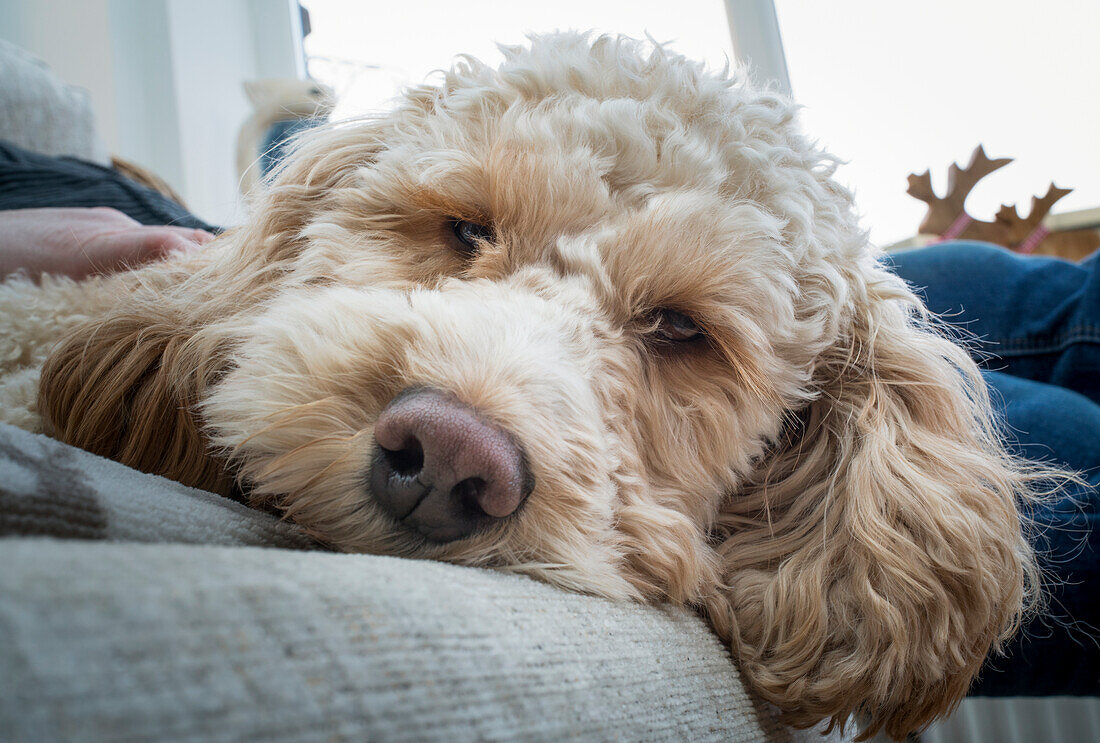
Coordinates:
<point>442,469</point>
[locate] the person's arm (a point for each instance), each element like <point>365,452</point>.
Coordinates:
<point>84,242</point>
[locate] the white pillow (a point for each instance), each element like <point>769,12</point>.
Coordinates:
<point>41,113</point>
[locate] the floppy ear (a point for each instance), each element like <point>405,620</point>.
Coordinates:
<point>877,555</point>
<point>124,387</point>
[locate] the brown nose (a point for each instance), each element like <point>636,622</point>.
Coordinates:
<point>442,469</point>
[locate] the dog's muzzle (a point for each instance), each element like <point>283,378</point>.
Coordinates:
<point>443,470</point>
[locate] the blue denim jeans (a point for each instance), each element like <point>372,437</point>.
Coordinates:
<point>276,142</point>
<point>1038,323</point>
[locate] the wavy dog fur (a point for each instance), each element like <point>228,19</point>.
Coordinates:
<point>821,475</point>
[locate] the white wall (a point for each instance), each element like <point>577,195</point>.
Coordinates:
<point>165,77</point>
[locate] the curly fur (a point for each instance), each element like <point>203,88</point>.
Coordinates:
<point>822,476</point>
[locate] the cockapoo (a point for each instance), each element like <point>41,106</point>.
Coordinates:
<point>599,316</point>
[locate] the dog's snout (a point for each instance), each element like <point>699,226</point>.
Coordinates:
<point>444,470</point>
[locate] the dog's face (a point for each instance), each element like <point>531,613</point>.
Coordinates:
<point>590,277</point>
<point>603,318</point>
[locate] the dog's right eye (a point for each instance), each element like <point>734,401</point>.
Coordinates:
<point>471,235</point>
<point>675,327</point>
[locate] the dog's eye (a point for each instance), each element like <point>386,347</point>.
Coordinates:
<point>670,325</point>
<point>472,235</point>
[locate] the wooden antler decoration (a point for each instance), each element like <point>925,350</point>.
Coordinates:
<point>947,217</point>
<point>943,213</point>
<point>1018,228</point>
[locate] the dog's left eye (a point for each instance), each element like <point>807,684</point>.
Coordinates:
<point>471,234</point>
<point>670,325</point>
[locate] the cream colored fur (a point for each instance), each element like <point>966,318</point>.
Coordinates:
<point>821,476</point>
<point>35,316</point>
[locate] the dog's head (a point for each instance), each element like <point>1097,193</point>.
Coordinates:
<point>601,317</point>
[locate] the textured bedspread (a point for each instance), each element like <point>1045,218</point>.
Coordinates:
<point>135,609</point>
<point>52,490</point>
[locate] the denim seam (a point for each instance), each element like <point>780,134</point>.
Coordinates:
<point>1087,333</point>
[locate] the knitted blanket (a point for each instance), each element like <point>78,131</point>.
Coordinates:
<point>52,490</point>
<point>133,608</point>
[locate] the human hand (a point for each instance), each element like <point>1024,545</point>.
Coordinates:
<point>79,243</point>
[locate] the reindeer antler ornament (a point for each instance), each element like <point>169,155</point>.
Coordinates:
<point>947,217</point>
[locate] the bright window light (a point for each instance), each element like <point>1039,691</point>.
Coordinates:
<point>895,88</point>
